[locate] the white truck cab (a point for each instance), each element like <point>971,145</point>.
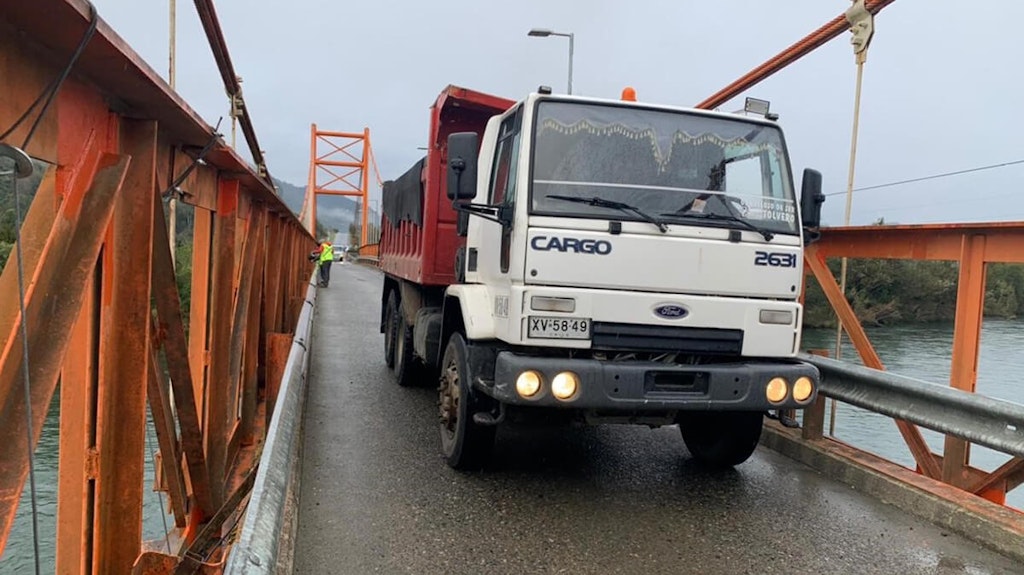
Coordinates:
<point>626,261</point>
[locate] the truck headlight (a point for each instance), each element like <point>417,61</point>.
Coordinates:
<point>777,316</point>
<point>776,390</point>
<point>545,303</point>
<point>565,385</point>
<point>528,383</point>
<point>802,388</point>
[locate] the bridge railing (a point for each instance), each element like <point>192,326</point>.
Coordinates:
<point>988,422</point>
<point>258,548</point>
<point>92,299</point>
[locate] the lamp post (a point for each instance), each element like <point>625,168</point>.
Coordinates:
<point>544,33</point>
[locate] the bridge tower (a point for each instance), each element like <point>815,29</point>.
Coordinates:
<point>339,165</point>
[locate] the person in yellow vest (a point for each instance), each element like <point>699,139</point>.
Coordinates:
<point>325,254</point>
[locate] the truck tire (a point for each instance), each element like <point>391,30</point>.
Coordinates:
<point>390,329</point>
<point>406,365</point>
<point>465,444</point>
<point>721,439</point>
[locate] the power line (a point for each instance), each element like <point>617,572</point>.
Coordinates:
<point>933,177</point>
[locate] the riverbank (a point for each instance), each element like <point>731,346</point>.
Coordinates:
<point>908,292</point>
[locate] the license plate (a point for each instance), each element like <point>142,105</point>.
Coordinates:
<point>558,327</point>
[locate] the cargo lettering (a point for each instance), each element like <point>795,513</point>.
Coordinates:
<point>546,244</point>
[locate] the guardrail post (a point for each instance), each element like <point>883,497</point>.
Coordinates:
<point>814,416</point>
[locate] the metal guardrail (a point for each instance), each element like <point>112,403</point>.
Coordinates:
<point>982,420</point>
<point>257,547</point>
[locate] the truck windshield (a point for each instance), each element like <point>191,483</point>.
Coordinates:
<point>673,165</point>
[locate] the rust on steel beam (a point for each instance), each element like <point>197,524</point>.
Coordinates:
<point>911,434</point>
<point>268,323</point>
<point>1005,478</point>
<point>253,332</point>
<point>158,391</point>
<point>199,308</point>
<point>76,466</point>
<point>239,329</point>
<point>172,328</point>
<point>124,357</point>
<point>278,347</point>
<point>805,46</point>
<point>219,413</point>
<point>110,64</point>
<point>970,303</point>
<point>923,242</point>
<point>52,307</point>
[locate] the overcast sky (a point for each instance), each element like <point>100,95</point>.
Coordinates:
<point>941,85</point>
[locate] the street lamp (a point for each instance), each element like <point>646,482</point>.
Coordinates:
<point>544,33</point>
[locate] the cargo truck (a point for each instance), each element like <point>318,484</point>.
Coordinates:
<point>598,261</point>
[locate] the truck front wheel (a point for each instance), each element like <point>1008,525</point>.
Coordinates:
<point>721,439</point>
<point>465,444</point>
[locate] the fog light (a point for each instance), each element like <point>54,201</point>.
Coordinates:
<point>565,385</point>
<point>802,388</point>
<point>776,390</point>
<point>528,383</point>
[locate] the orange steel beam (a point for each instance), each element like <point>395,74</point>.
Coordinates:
<point>808,44</point>
<point>124,356</point>
<point>1005,478</point>
<point>970,304</point>
<point>76,464</point>
<point>815,260</point>
<point>1003,241</point>
<point>96,253</point>
<point>175,346</point>
<point>218,412</point>
<point>52,303</point>
<point>972,245</point>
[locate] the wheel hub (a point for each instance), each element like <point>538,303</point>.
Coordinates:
<point>449,396</point>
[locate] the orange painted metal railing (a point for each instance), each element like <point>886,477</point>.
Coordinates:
<point>972,246</point>
<point>103,311</point>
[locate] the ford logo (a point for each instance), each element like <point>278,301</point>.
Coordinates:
<point>670,311</point>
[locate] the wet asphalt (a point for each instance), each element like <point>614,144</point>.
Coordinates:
<point>376,496</point>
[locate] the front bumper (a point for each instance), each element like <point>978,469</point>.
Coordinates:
<point>652,386</point>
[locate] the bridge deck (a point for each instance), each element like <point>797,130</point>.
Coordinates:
<point>377,498</point>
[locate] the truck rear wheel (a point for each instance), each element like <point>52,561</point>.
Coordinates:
<point>464,444</point>
<point>721,439</point>
<point>390,329</point>
<point>406,365</point>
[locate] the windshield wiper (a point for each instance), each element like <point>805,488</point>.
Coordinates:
<point>726,218</point>
<point>612,204</point>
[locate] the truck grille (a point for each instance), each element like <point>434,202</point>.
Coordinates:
<point>633,337</point>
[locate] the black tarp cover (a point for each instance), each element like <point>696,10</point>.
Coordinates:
<point>403,197</point>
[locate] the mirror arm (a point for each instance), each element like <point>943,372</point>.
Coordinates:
<point>481,210</point>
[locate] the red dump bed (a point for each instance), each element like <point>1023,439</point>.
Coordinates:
<point>418,240</point>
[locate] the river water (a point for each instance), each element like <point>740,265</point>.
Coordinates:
<point>919,351</point>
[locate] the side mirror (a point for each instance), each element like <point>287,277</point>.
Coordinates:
<point>811,199</point>
<point>462,160</point>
